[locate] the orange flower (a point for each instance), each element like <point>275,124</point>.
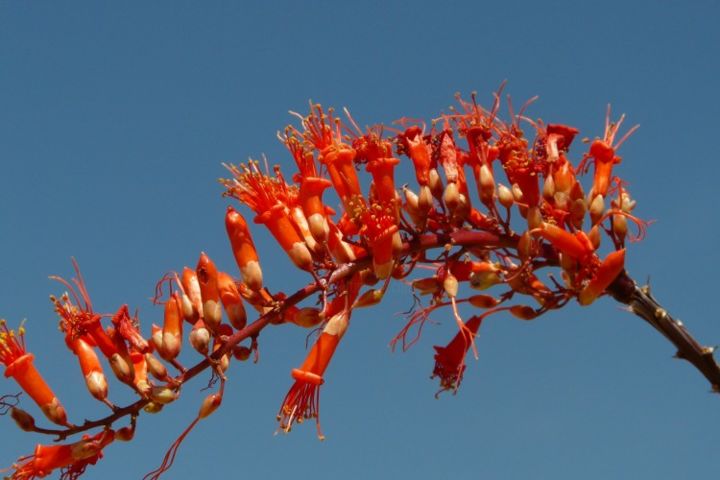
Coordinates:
<point>324,133</point>
<point>380,229</point>
<point>312,186</point>
<point>413,144</point>
<point>271,199</point>
<point>79,318</point>
<point>19,365</point>
<point>243,249</point>
<point>602,151</point>
<point>72,458</point>
<point>90,366</point>
<point>606,272</point>
<point>450,359</point>
<point>232,301</point>
<point>207,278</point>
<point>303,399</point>
<point>191,292</point>
<point>172,327</point>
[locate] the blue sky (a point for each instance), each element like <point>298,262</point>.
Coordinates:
<point>114,119</point>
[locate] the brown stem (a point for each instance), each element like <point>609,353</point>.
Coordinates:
<point>623,289</point>
<point>643,304</point>
<point>421,243</point>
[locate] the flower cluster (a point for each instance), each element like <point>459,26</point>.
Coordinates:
<point>493,207</point>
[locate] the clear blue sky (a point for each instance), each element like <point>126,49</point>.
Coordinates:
<point>115,117</point>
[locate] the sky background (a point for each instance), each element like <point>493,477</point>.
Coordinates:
<point>114,119</point>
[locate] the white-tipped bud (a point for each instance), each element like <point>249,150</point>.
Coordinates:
<point>435,183</point>
<point>517,192</point>
<point>383,270</point>
<point>172,344</point>
<point>187,308</point>
<point>200,340</point>
<point>163,395</point>
<point>451,196</point>
<point>122,368</point>
<point>97,385</point>
<point>462,210</point>
<point>534,218</point>
<point>212,311</point>
<point>153,407</point>
<point>549,187</point>
<point>156,338</point>
<point>55,412</point>
<point>505,196</point>
<point>369,298</point>
<point>155,367</point>
<point>487,184</point>
<point>619,223</point>
<point>413,208</point>
<point>143,387</point>
<point>597,209</point>
<point>411,199</point>
<point>308,317</point>
<point>425,199</point>
<point>450,285</point>
<point>209,405</point>
<point>252,275</point>
<point>343,253</point>
<point>237,315</point>
<point>578,207</point>
<point>319,227</point>
<point>223,363</point>
<point>624,203</point>
<point>561,200</point>
<point>553,154</point>
<point>300,256</point>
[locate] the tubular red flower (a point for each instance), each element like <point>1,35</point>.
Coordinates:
<point>127,327</point>
<point>303,399</point>
<point>232,301</point>
<point>19,365</point>
<point>191,288</point>
<point>450,359</point>
<point>311,190</point>
<point>602,151</point>
<point>324,133</point>
<point>90,366</point>
<point>272,200</point>
<point>79,319</point>
<point>172,327</point>
<point>243,248</point>
<point>207,278</point>
<point>606,272</point>
<point>72,458</point>
<point>412,143</point>
<point>379,228</point>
